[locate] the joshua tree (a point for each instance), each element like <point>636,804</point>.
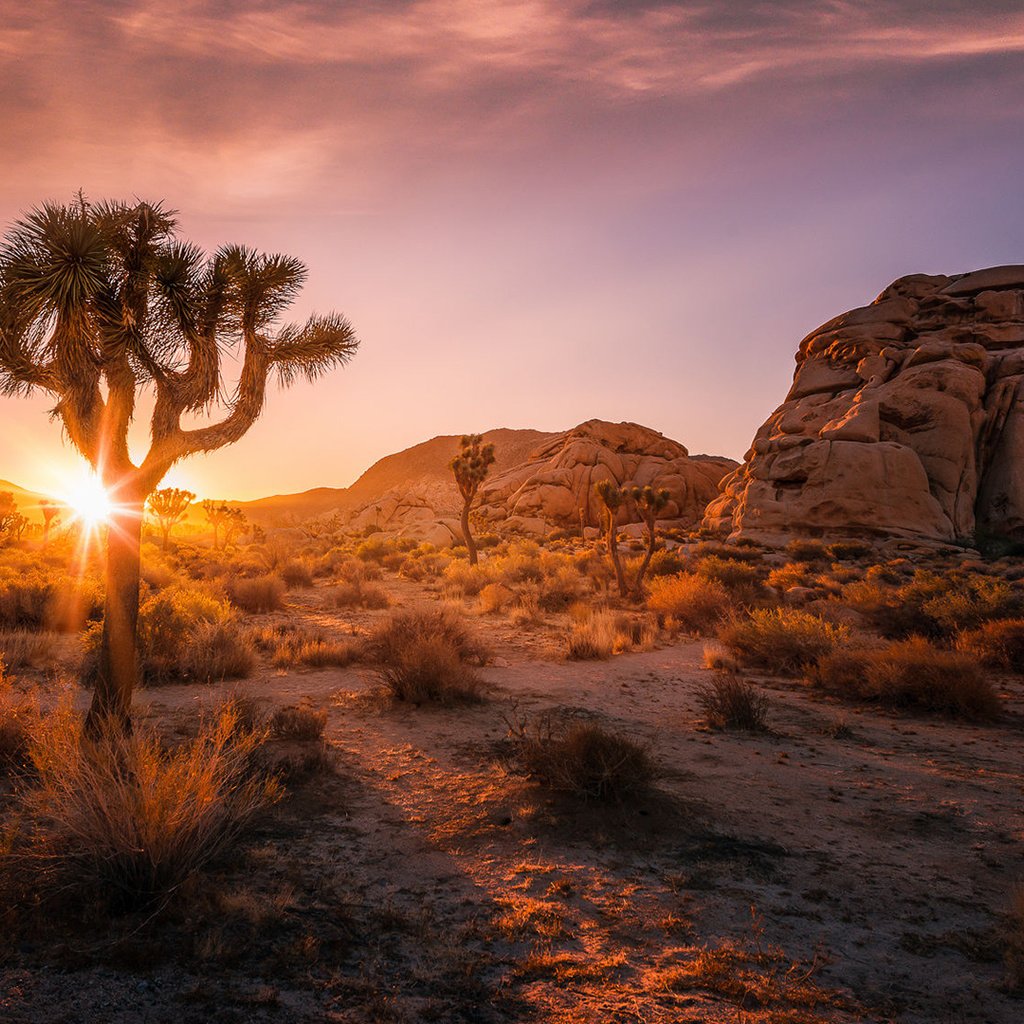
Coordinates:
<point>648,503</point>
<point>9,515</point>
<point>470,467</point>
<point>98,301</point>
<point>612,498</point>
<point>169,506</point>
<point>223,516</point>
<point>52,513</point>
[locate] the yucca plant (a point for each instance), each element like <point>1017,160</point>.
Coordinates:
<point>648,503</point>
<point>222,516</point>
<point>612,498</point>
<point>101,300</point>
<point>471,467</point>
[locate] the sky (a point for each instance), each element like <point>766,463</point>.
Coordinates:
<point>535,212</point>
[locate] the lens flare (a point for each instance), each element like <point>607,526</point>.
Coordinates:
<point>89,501</point>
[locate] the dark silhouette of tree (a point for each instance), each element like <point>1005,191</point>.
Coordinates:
<point>222,517</point>
<point>612,498</point>
<point>169,506</point>
<point>98,301</point>
<point>12,522</point>
<point>648,503</point>
<point>470,467</point>
<point>52,512</point>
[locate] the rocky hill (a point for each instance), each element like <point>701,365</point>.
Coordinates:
<point>905,420</point>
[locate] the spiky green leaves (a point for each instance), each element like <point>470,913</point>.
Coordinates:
<point>648,501</point>
<point>472,464</point>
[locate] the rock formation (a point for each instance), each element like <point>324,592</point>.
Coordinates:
<point>534,491</point>
<point>557,481</point>
<point>905,420</point>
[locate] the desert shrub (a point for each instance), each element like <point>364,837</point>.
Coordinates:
<point>910,673</point>
<point>931,604</point>
<point>781,640</point>
<point>354,571</point>
<point>374,549</point>
<point>424,563</point>
<point>300,722</point>
<point>215,651</point>
<point>559,587</point>
<point>18,716</point>
<point>997,644</point>
<point>792,574</point>
<point>49,600</point>
<point>289,645</point>
<point>259,594</point>
<point>124,820</point>
<point>428,669</point>
<point>403,628</point>
<point>358,594</point>
<point>494,597</point>
<point>696,603</point>
<point>848,550</point>
<point>296,573</point>
<point>22,648</point>
<point>718,658</point>
<point>728,552</point>
<point>915,673</point>
<point>466,579</point>
<point>801,550</point>
<point>743,581</point>
<point>664,563</point>
<point>583,758</point>
<point>732,703</point>
<point>593,637</point>
<point>520,565</point>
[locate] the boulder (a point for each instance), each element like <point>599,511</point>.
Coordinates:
<point>905,421</point>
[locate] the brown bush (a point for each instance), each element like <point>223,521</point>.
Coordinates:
<point>300,722</point>
<point>494,597</point>
<point>124,820</point>
<point>296,574</point>
<point>429,669</point>
<point>22,648</point>
<point>781,640</point>
<point>259,594</point>
<point>998,644</point>
<point>216,651</point>
<point>289,645</point>
<point>914,673</point>
<point>400,629</point>
<point>801,550</point>
<point>359,593</point>
<point>731,703</point>
<point>696,603</point>
<point>583,758</point>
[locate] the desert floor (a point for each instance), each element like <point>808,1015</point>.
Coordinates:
<point>852,864</point>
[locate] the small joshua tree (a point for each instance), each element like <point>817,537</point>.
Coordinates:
<point>236,522</point>
<point>52,513</point>
<point>99,302</point>
<point>648,503</point>
<point>470,467</point>
<point>169,506</point>
<point>9,516</point>
<point>612,498</point>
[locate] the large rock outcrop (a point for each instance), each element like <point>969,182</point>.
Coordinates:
<point>905,420</point>
<point>557,481</point>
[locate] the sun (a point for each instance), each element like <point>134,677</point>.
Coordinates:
<point>89,501</point>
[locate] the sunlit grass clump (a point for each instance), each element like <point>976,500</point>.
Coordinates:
<point>121,819</point>
<point>781,640</point>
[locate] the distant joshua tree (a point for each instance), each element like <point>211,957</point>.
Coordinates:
<point>52,512</point>
<point>471,467</point>
<point>12,522</point>
<point>169,506</point>
<point>222,516</point>
<point>612,498</point>
<point>648,503</point>
<point>99,301</point>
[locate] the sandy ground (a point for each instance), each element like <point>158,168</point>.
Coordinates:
<point>876,862</point>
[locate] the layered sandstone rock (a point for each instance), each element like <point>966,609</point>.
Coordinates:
<point>905,420</point>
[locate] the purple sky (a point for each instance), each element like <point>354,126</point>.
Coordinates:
<point>537,212</point>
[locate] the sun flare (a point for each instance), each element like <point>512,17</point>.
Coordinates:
<point>89,501</point>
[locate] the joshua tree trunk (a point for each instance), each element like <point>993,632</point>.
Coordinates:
<point>467,535</point>
<point>613,554</point>
<point>638,586</point>
<point>166,530</point>
<point>118,668</point>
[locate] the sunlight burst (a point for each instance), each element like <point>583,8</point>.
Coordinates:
<point>89,501</point>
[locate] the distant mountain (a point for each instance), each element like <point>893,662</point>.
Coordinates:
<point>27,501</point>
<point>423,467</point>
